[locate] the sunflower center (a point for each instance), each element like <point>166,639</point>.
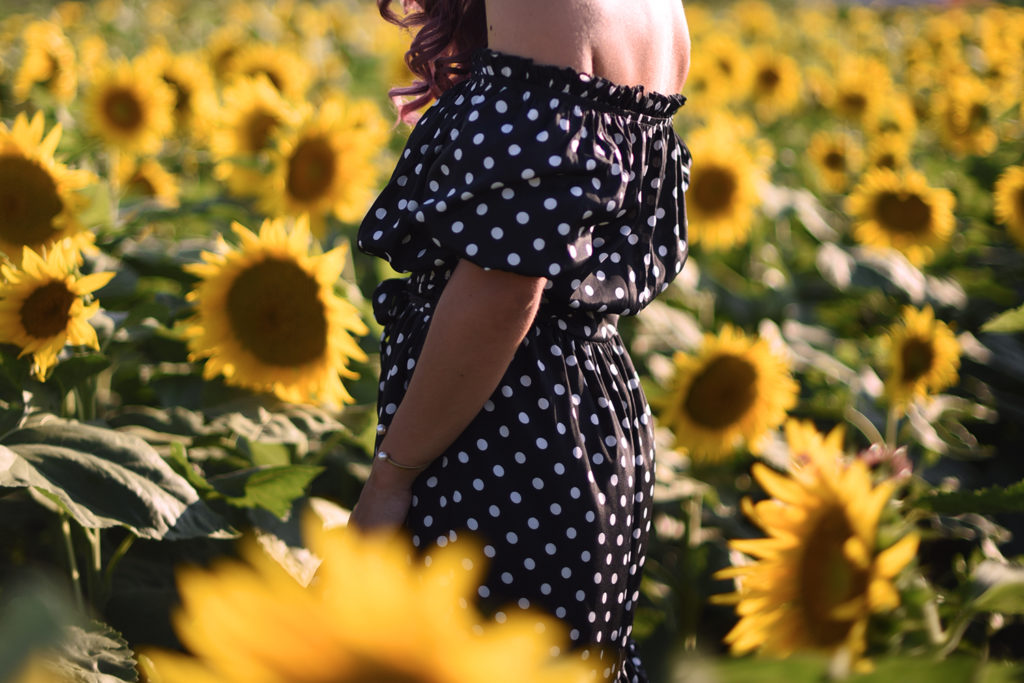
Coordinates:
<point>45,311</point>
<point>827,578</point>
<point>28,201</point>
<point>918,356</point>
<point>725,66</point>
<point>768,79</point>
<point>275,80</point>
<point>53,72</point>
<point>854,102</point>
<point>140,185</point>
<point>276,313</point>
<point>835,161</point>
<point>978,117</point>
<point>183,96</point>
<point>122,109</point>
<point>713,188</point>
<point>258,127</point>
<point>903,213</point>
<point>886,160</point>
<point>722,392</point>
<point>310,169</point>
<point>1018,201</point>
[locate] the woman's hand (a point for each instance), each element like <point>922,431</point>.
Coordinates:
<point>385,499</point>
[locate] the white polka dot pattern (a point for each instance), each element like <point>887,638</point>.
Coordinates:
<point>542,171</point>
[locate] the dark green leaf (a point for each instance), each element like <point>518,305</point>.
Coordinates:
<point>105,478</point>
<point>987,501</point>
<point>72,372</point>
<point>1007,321</point>
<point>270,488</point>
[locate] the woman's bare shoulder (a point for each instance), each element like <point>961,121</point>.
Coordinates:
<point>549,32</point>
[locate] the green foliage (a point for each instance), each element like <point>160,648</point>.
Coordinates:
<point>1008,321</point>
<point>104,478</point>
<point>988,501</point>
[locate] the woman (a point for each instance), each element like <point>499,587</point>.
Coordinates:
<point>536,201</point>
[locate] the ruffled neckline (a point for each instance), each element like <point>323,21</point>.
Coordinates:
<point>601,91</point>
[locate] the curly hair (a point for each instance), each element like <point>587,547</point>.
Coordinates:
<point>447,32</point>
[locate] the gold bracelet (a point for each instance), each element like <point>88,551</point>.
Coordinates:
<point>381,455</point>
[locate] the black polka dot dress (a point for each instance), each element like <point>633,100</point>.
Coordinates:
<point>543,171</point>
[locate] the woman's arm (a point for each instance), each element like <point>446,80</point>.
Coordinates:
<point>479,322</point>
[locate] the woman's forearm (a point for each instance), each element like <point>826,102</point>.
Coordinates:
<point>478,323</point>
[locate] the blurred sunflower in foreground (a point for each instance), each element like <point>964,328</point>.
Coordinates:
<point>729,395</point>
<point>369,615</point>
<point>268,318</point>
<point>818,575</point>
<point>924,357</point>
<point>900,211</point>
<point>43,307</point>
<point>39,199</point>
<point>1009,202</point>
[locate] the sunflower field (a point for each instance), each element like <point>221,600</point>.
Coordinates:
<point>189,359</point>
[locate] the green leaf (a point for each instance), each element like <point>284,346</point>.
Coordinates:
<point>262,453</point>
<point>271,488</point>
<point>69,373</point>
<point>104,478</point>
<point>999,588</point>
<point>987,501</point>
<point>1007,321</point>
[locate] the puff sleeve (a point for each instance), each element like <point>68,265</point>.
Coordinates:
<point>510,178</point>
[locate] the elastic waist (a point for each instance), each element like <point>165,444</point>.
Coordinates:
<point>421,290</point>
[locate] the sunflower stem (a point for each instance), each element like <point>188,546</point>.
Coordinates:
<point>955,634</point>
<point>115,558</point>
<point>932,622</point>
<point>865,425</point>
<point>76,577</point>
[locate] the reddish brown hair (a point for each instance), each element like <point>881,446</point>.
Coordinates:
<point>447,34</point>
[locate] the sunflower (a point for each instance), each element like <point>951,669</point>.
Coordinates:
<point>130,107</point>
<point>900,211</point>
<point>286,69</point>
<point>222,47</point>
<point>147,178</point>
<point>369,614</point>
<point>834,158</point>
<point>756,19</point>
<point>42,305</point>
<point>723,192</point>
<point>862,84</point>
<point>924,357</point>
<point>890,151</point>
<point>39,198</point>
<point>1009,201</point>
<point>243,129</point>
<point>195,99</point>
<point>725,67</point>
<point>964,116</point>
<point>776,83</point>
<point>729,395</point>
<point>49,60</point>
<point>818,575</point>
<point>892,115</point>
<point>267,317</point>
<point>328,164</point>
<point>807,445</point>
